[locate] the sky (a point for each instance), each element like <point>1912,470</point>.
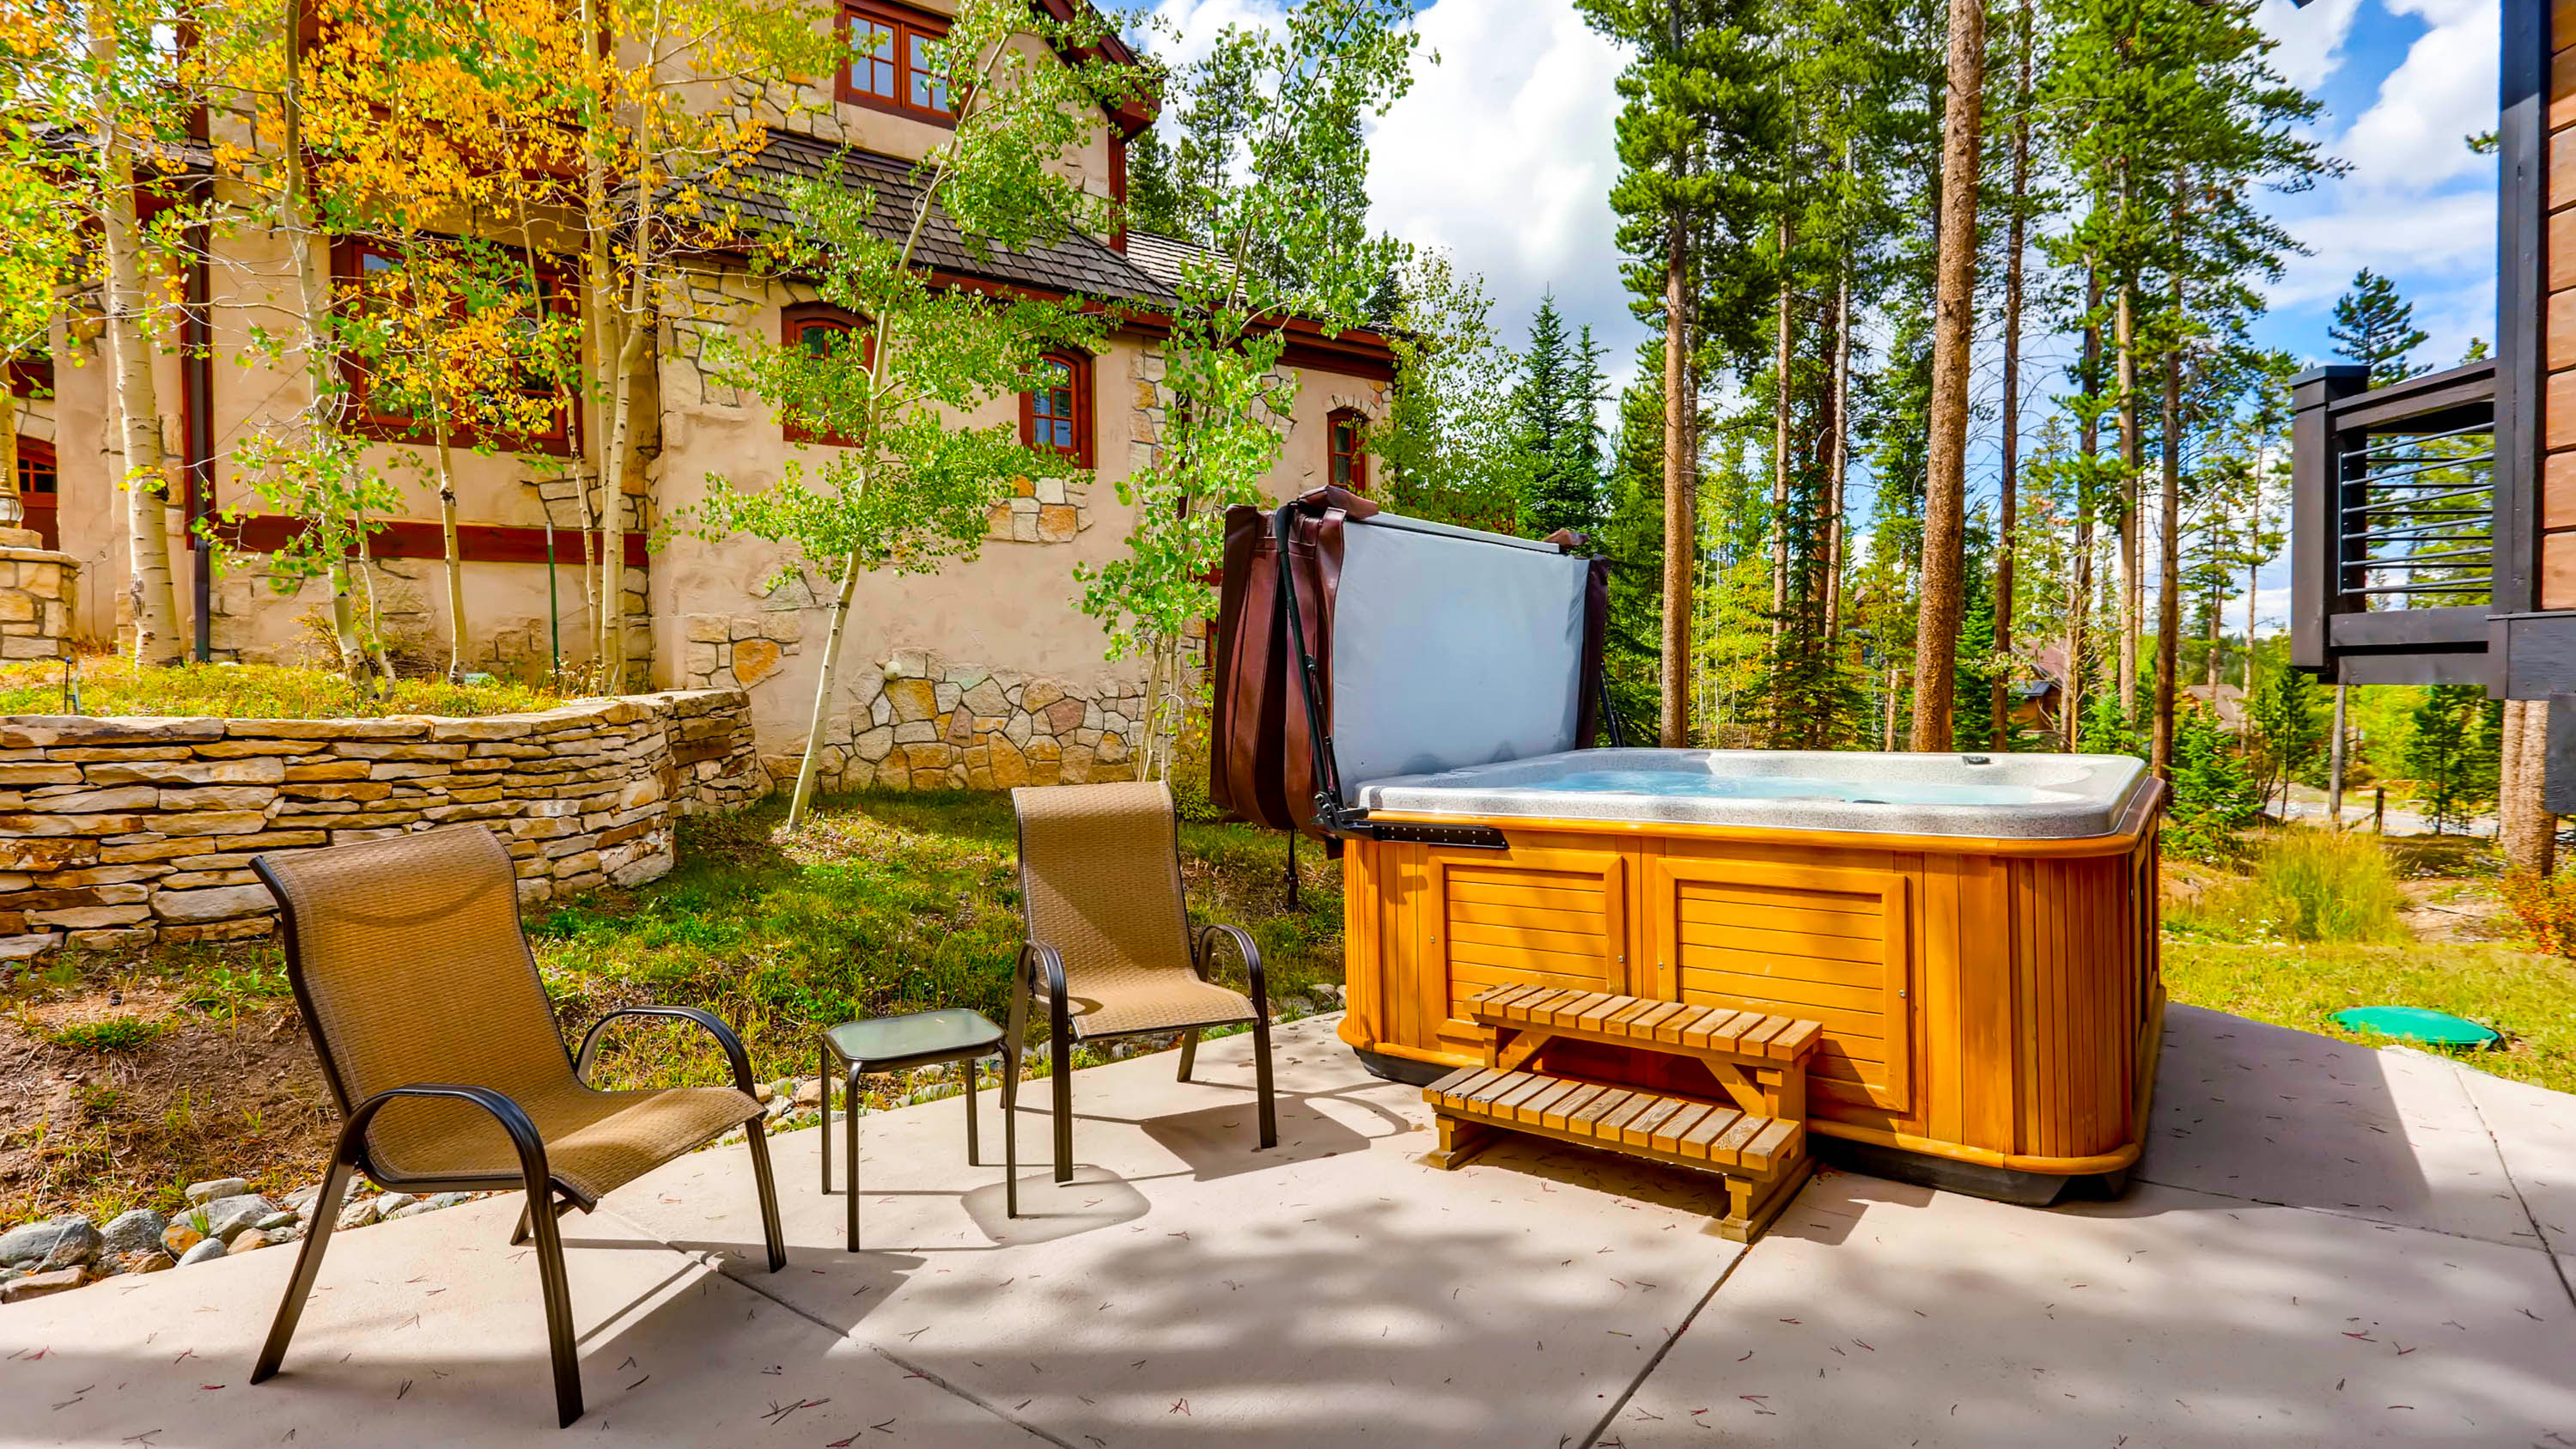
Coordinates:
<point>1502,156</point>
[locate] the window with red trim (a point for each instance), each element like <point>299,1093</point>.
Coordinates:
<point>1055,416</point>
<point>891,61</point>
<point>1346,444</point>
<point>820,329</point>
<point>39,489</point>
<point>363,268</point>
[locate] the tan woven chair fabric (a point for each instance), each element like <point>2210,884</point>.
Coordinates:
<point>1100,879</point>
<point>414,970</point>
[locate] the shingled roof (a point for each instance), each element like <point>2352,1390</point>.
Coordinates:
<point>1075,265</point>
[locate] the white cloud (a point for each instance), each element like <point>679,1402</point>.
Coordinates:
<point>1502,155</point>
<point>2311,38</point>
<point>2450,237</point>
<point>2444,91</point>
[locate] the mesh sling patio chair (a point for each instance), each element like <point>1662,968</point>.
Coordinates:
<point>434,1031</point>
<point>1110,949</point>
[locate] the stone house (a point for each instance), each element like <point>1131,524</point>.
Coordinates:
<point>985,673</point>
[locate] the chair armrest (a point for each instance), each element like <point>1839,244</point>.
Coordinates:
<point>732,1044</point>
<point>1045,971</point>
<point>513,1120</point>
<point>1203,955</point>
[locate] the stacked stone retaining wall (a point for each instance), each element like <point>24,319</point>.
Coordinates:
<point>120,832</point>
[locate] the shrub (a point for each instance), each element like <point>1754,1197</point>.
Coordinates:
<point>2544,907</point>
<point>2304,886</point>
<point>2212,797</point>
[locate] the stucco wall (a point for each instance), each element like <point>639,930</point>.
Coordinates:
<point>118,832</point>
<point>737,614</point>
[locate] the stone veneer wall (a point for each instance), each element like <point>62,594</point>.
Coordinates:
<point>919,722</point>
<point>37,589</point>
<point>120,832</point>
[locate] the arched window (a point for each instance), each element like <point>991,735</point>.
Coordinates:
<point>1346,445</point>
<point>820,329</point>
<point>1055,416</point>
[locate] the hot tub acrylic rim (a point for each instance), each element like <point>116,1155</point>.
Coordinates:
<point>1494,790</point>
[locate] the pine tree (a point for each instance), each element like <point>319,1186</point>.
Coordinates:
<point>2375,326</point>
<point>1556,429</point>
<point>2452,753</point>
<point>1696,138</point>
<point>1633,537</point>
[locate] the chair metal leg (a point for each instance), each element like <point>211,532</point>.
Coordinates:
<point>768,1191</point>
<point>1189,1053</point>
<point>972,1150</point>
<point>308,1266</point>
<point>1011,1129</point>
<point>558,1292</point>
<point>850,1124</point>
<point>1261,1080</point>
<point>1060,1050</point>
<point>519,1234</point>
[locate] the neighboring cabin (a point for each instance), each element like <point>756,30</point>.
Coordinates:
<point>985,673</point>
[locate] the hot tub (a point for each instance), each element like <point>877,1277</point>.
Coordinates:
<point>1976,934</point>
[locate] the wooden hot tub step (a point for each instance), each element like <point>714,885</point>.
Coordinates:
<point>1763,1158</point>
<point>1645,1022</point>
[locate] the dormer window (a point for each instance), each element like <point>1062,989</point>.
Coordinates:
<point>894,61</point>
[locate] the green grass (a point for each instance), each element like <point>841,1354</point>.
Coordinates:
<point>2302,885</point>
<point>112,1034</point>
<point>2531,999</point>
<point>888,902</point>
<point>111,685</point>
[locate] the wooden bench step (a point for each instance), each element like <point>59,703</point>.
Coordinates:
<point>1673,1129</point>
<point>1647,1022</point>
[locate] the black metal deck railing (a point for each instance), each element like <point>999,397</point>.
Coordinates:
<point>2393,498</point>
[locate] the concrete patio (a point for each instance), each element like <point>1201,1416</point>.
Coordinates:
<point>2327,1245</point>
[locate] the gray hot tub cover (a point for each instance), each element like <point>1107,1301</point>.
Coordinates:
<point>1436,648</point>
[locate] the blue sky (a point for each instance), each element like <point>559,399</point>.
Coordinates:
<point>1502,156</point>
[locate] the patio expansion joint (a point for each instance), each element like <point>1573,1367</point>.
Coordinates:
<point>1610,1416</point>
<point>2541,1246</point>
<point>2548,1249</point>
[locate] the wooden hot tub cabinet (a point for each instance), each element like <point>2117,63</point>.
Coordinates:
<point>1992,1007</point>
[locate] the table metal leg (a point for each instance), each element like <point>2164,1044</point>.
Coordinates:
<point>823,1090</point>
<point>850,1122</point>
<point>973,1150</point>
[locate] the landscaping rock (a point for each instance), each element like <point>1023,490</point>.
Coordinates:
<point>809,1091</point>
<point>155,1261</point>
<point>393,1202</point>
<point>73,1249</point>
<point>359,1214</point>
<point>37,1285</point>
<point>180,1236</point>
<point>206,1192</point>
<point>226,1216</point>
<point>135,1231</point>
<point>205,1252</point>
<point>281,1237</point>
<point>31,1245</point>
<point>247,1240</point>
<point>276,1220</point>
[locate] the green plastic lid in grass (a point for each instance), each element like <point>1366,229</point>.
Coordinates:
<point>2415,1024</point>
